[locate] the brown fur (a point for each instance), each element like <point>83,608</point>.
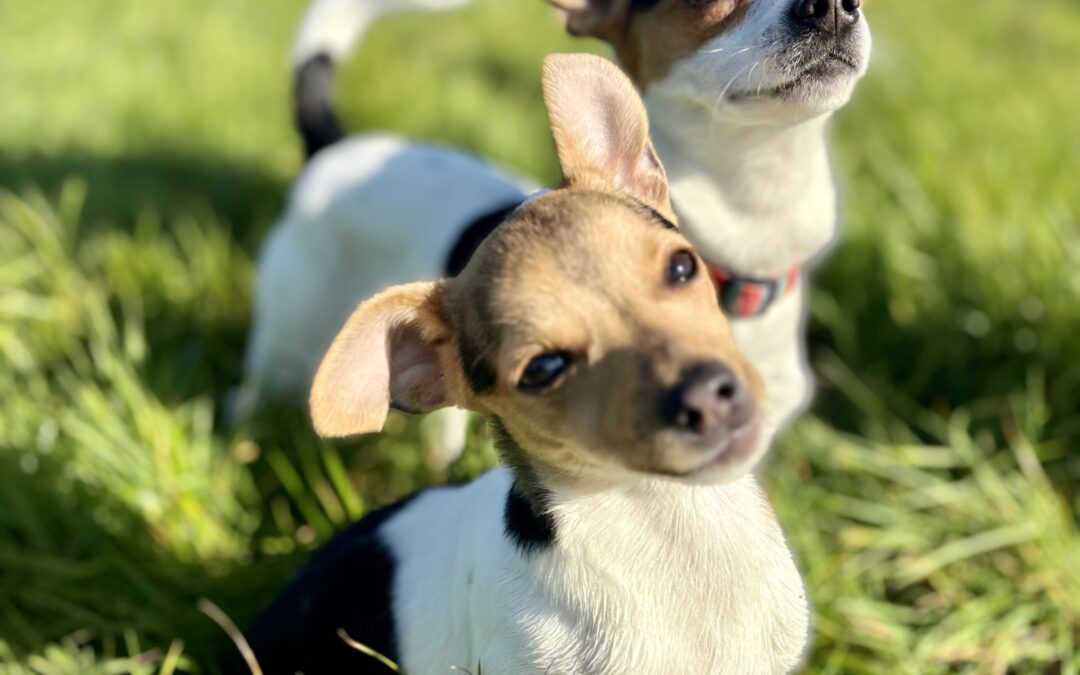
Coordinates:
<point>582,269</point>
<point>649,42</point>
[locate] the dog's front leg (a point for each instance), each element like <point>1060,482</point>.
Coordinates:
<point>444,434</point>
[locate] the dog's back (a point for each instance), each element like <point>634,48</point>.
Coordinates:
<point>367,213</point>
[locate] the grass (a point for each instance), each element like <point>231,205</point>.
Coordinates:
<point>146,147</point>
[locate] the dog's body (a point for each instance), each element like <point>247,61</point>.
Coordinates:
<point>626,533</point>
<point>641,580</point>
<point>740,91</point>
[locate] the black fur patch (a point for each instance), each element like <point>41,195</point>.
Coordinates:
<point>643,5</point>
<point>479,373</point>
<point>527,520</point>
<point>660,219</point>
<point>529,526</point>
<point>474,235</point>
<point>652,214</point>
<point>312,96</point>
<point>346,585</point>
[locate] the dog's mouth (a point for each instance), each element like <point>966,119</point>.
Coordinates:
<point>734,449</point>
<point>828,67</point>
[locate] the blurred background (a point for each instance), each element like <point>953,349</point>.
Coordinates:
<point>146,147</point>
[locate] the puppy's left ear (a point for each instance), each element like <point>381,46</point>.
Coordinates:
<point>395,350</point>
<point>602,131</point>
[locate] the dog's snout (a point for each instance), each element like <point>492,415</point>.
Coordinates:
<point>827,15</point>
<point>709,400</point>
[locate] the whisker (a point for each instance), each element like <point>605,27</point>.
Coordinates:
<point>750,75</point>
<point>727,87</point>
<point>761,82</point>
<point>717,50</point>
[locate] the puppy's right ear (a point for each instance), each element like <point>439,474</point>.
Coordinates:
<point>601,130</point>
<point>395,350</point>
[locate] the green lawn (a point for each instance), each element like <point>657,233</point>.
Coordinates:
<point>145,148</point>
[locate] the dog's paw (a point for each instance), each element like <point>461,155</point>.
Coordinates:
<point>443,435</point>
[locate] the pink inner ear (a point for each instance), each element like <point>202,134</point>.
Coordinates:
<point>350,392</point>
<point>416,382</point>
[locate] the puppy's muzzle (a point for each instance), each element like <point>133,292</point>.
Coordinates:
<point>710,403</point>
<point>827,16</point>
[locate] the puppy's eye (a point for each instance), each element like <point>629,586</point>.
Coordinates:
<point>681,268</point>
<point>544,371</point>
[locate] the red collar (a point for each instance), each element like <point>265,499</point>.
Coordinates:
<point>745,297</point>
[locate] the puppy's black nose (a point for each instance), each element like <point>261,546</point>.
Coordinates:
<point>830,16</point>
<point>709,400</point>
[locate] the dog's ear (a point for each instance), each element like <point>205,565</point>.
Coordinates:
<point>395,350</point>
<point>593,18</point>
<point>601,130</point>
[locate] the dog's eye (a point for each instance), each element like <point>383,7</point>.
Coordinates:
<point>681,268</point>
<point>544,371</point>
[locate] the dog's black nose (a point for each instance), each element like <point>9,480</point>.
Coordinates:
<point>827,15</point>
<point>709,400</point>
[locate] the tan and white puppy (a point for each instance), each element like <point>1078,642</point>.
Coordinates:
<point>626,533</point>
<point>739,92</point>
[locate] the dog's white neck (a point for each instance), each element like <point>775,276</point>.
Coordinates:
<point>755,199</point>
<point>703,570</point>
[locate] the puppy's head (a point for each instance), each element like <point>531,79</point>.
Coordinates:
<point>585,325</point>
<point>779,61</point>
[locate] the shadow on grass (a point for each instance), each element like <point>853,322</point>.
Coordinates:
<point>167,182</point>
<point>160,213</point>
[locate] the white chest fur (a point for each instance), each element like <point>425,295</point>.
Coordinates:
<point>654,577</point>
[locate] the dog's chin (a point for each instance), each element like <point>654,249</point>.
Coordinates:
<point>813,93</point>
<point>725,460</point>
<point>798,93</point>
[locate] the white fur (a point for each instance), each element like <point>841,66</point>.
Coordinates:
<point>645,576</point>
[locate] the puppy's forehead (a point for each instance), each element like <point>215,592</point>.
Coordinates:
<point>555,251</point>
<point>569,238</point>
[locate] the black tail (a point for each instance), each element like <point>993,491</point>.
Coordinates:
<point>312,94</point>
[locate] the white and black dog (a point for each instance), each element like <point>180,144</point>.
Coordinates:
<point>739,93</point>
<point>626,533</point>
